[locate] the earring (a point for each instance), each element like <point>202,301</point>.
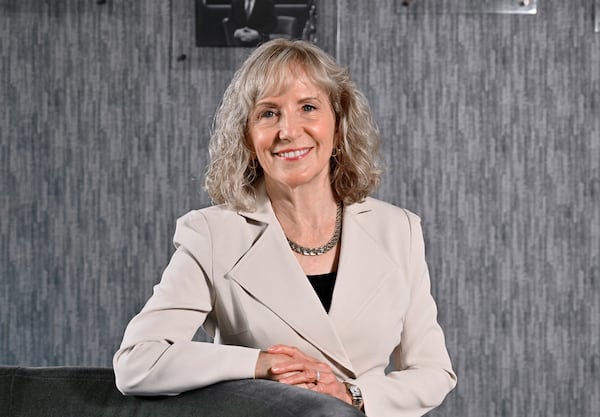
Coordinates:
<point>335,152</point>
<point>251,171</point>
<point>254,170</point>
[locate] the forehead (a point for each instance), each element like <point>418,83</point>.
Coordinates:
<point>277,82</point>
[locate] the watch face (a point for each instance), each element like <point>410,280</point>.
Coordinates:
<point>357,399</point>
<point>355,391</point>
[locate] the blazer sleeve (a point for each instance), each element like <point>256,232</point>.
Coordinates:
<point>157,354</point>
<point>422,373</point>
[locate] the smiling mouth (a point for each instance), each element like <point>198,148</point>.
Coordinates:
<point>297,154</point>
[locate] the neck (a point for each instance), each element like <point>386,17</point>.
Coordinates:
<point>307,216</point>
<point>305,207</point>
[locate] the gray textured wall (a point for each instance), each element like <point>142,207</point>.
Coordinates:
<point>491,128</point>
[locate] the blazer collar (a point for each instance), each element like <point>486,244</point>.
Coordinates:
<point>264,211</point>
<point>270,272</point>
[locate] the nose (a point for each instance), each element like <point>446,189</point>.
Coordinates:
<point>290,126</point>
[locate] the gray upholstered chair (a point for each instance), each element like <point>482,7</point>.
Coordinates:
<point>91,392</point>
<point>286,28</point>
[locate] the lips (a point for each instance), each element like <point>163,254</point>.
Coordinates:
<point>293,154</point>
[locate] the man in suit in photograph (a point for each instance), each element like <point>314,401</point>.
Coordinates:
<point>252,20</point>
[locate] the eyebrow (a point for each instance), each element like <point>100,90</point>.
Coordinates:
<point>302,100</point>
<point>264,103</point>
<point>311,98</point>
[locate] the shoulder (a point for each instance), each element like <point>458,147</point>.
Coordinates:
<point>208,216</point>
<point>380,211</point>
<point>216,227</point>
<point>395,228</point>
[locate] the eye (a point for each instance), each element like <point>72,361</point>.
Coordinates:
<point>308,107</point>
<point>267,114</point>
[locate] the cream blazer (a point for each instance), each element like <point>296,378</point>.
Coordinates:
<point>234,274</point>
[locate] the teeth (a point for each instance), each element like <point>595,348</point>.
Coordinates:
<point>293,154</point>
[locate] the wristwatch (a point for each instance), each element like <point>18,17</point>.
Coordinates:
<point>356,394</point>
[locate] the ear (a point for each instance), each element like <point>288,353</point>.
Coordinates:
<point>338,139</point>
<point>253,160</point>
<point>249,145</point>
<point>251,150</point>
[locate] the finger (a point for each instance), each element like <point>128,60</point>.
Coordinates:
<point>294,368</point>
<point>282,368</point>
<point>305,386</point>
<point>291,351</point>
<point>319,388</point>
<point>307,377</point>
<point>325,388</point>
<point>279,377</point>
<point>285,349</point>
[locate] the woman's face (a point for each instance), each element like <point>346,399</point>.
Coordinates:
<point>293,133</point>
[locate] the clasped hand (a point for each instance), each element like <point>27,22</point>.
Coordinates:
<point>246,34</point>
<point>289,365</point>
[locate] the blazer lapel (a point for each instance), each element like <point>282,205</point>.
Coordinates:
<point>363,266</point>
<point>270,272</point>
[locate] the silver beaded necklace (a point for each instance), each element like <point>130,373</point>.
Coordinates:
<point>327,246</point>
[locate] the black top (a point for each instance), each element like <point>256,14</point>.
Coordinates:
<point>323,285</point>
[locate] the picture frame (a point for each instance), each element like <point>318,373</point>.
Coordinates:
<point>523,7</point>
<point>226,23</point>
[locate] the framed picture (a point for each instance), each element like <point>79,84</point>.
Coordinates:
<point>246,23</point>
<point>466,6</point>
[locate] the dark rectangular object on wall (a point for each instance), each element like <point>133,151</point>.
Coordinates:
<point>235,23</point>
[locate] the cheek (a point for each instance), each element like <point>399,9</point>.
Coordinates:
<point>253,141</point>
<point>258,139</point>
<point>328,134</point>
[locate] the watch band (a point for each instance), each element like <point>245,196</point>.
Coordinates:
<point>356,394</point>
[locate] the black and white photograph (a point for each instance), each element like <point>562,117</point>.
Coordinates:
<point>247,23</point>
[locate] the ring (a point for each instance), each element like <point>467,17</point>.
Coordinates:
<point>318,377</point>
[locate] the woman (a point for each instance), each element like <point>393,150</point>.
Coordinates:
<point>299,275</point>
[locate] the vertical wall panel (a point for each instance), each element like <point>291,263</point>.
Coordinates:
<point>89,177</point>
<point>490,133</point>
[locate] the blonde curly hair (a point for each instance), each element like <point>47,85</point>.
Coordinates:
<point>233,172</point>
